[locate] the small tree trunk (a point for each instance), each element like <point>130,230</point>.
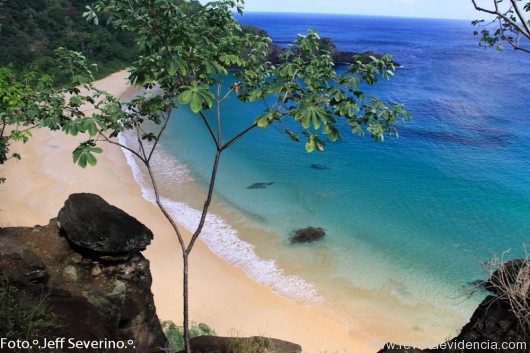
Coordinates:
<point>185,291</point>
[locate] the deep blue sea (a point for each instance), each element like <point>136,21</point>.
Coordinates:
<point>407,220</point>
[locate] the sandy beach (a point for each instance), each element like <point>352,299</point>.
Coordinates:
<point>222,296</point>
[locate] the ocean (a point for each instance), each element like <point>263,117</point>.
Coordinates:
<point>408,221</point>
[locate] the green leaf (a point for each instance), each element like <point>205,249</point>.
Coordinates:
<point>75,101</point>
<point>92,128</point>
<point>263,120</point>
<point>84,154</point>
<point>306,119</point>
<point>172,68</point>
<point>195,96</point>
<point>195,103</point>
<point>185,97</point>
<point>310,145</point>
<point>91,158</point>
<point>315,119</point>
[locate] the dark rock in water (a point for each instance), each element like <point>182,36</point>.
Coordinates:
<point>260,185</point>
<point>346,57</point>
<point>338,56</point>
<point>214,344</point>
<point>90,223</point>
<point>319,166</point>
<point>307,235</point>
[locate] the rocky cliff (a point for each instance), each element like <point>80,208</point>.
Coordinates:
<point>86,272</point>
<point>501,323</point>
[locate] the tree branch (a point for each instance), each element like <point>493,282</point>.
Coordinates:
<point>163,209</point>
<point>140,144</point>
<point>219,113</point>
<point>108,140</point>
<point>237,137</point>
<point>516,27</point>
<point>212,134</point>
<point>206,203</point>
<point>521,18</point>
<point>158,136</point>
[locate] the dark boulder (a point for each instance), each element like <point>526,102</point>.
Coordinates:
<point>307,235</point>
<point>103,230</point>
<point>214,344</point>
<point>113,303</point>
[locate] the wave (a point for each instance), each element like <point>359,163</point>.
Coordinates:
<point>221,238</point>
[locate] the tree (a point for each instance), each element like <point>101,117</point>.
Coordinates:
<point>189,50</point>
<point>28,102</point>
<point>511,21</point>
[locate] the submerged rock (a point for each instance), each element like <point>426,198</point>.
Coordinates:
<point>260,185</point>
<point>307,235</point>
<point>319,166</point>
<point>92,224</point>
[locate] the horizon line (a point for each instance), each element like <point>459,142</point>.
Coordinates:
<point>352,14</point>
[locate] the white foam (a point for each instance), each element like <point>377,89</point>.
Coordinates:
<point>222,239</point>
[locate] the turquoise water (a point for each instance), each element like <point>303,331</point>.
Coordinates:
<point>406,220</point>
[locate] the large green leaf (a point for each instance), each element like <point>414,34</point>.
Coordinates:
<point>84,154</point>
<point>196,95</point>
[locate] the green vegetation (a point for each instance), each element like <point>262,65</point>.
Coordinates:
<point>188,50</point>
<point>257,345</point>
<point>32,29</point>
<point>175,334</point>
<point>25,317</point>
<point>510,24</point>
<point>29,101</point>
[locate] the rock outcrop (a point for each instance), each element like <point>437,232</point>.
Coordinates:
<point>494,322</point>
<point>101,230</point>
<point>307,235</point>
<point>338,56</point>
<point>94,298</point>
<point>346,57</point>
<point>215,344</point>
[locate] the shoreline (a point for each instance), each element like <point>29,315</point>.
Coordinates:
<point>221,294</point>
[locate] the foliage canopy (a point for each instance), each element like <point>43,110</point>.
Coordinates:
<point>188,50</point>
<point>31,30</point>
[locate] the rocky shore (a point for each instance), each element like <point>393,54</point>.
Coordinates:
<point>86,271</point>
<point>97,289</point>
<point>501,323</point>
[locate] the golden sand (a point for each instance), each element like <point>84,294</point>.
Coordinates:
<point>222,296</point>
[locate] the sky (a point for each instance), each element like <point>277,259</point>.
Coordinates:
<point>455,9</point>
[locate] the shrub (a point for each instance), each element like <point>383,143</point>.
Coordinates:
<point>175,334</point>
<point>25,317</point>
